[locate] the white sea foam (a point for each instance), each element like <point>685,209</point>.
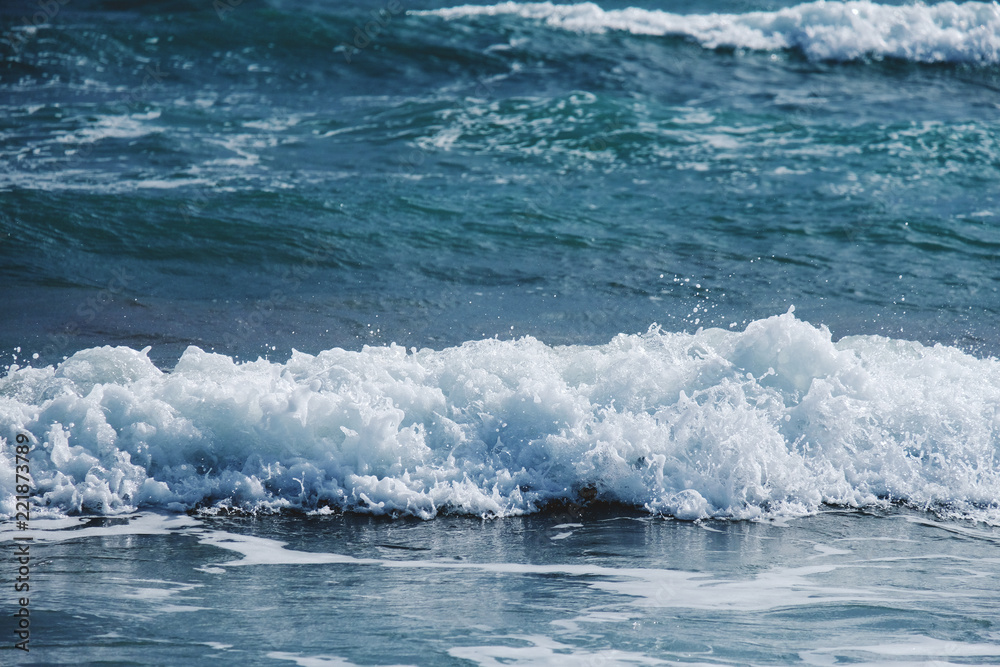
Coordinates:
<point>945,32</point>
<point>314,660</point>
<point>772,421</point>
<point>772,589</point>
<point>130,126</point>
<point>543,650</point>
<point>916,646</point>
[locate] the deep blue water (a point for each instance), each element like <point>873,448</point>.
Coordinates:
<point>536,265</point>
<point>459,177</point>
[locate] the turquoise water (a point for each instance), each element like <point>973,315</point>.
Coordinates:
<point>602,588</point>
<point>616,333</point>
<point>255,191</point>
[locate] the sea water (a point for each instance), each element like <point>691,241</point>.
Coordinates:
<point>603,588</point>
<point>388,333</point>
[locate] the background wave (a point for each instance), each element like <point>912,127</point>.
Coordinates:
<point>946,32</point>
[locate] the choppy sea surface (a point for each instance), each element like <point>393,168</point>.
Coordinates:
<point>384,333</point>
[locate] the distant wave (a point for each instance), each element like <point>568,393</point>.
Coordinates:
<point>946,32</point>
<point>773,420</point>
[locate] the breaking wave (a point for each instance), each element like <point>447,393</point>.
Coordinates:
<point>773,420</point>
<point>945,32</point>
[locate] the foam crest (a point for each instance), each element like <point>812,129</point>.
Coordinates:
<point>773,420</point>
<point>945,32</point>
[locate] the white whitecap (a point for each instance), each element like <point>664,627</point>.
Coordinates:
<point>776,420</point>
<point>944,32</point>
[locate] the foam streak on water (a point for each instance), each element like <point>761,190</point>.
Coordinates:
<point>773,420</point>
<point>945,32</point>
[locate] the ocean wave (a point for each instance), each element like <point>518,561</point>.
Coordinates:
<point>945,32</point>
<point>773,420</point>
